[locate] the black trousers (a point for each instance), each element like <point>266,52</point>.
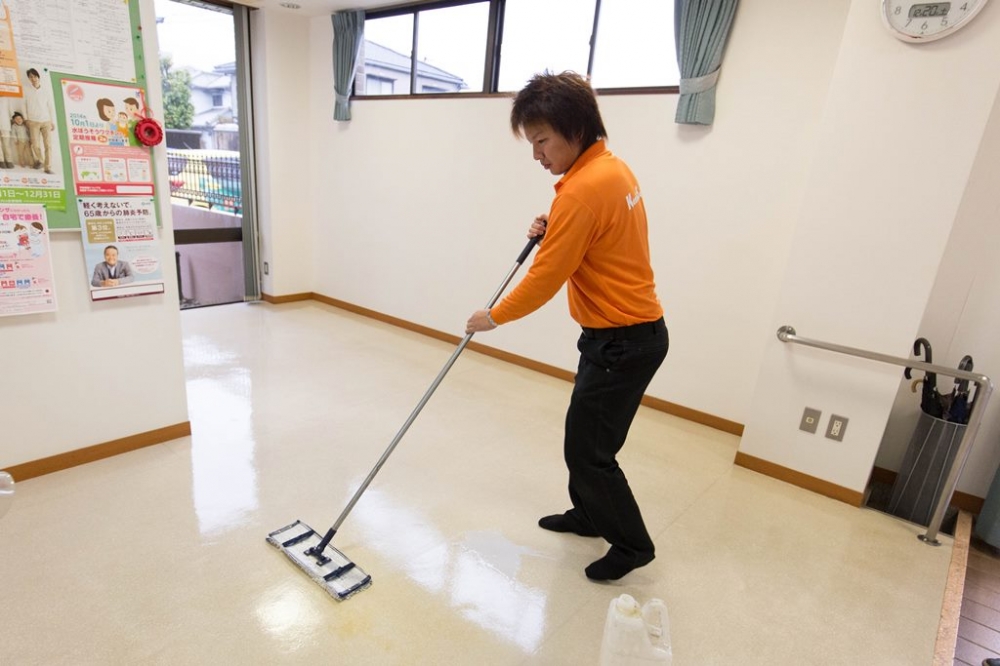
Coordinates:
<point>616,366</point>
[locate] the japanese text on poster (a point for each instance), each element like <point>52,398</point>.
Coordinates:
<point>106,157</point>
<point>84,37</point>
<point>30,158</point>
<point>26,284</point>
<point>121,247</point>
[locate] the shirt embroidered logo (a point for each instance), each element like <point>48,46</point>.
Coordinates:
<point>632,201</point>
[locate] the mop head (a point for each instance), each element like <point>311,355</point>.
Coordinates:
<point>340,577</point>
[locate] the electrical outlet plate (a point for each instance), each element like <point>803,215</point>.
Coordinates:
<point>836,428</point>
<point>810,420</point>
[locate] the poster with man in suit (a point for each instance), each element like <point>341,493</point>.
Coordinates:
<point>121,247</point>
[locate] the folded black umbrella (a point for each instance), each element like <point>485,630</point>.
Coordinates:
<point>960,407</point>
<point>931,402</point>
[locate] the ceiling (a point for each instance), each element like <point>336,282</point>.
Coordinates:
<point>320,7</point>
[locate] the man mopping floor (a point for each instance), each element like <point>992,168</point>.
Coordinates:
<point>596,242</point>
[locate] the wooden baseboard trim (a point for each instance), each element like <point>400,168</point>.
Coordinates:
<point>717,422</point>
<point>686,413</point>
<point>287,298</point>
<point>799,479</point>
<point>387,319</point>
<point>30,470</point>
<point>951,606</point>
<point>959,500</point>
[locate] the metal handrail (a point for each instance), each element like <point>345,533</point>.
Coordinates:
<point>984,390</point>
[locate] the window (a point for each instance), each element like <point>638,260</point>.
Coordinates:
<point>450,49</point>
<point>216,99</point>
<point>541,35</point>
<point>386,56</point>
<point>635,45</point>
<point>452,46</point>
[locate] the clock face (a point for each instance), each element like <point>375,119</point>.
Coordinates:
<point>927,21</point>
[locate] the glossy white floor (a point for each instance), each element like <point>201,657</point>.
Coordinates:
<point>159,556</point>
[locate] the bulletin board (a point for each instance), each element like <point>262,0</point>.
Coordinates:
<point>91,68</point>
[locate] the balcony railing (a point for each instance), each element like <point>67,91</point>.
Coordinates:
<point>206,178</point>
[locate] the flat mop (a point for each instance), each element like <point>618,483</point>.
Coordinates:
<point>326,565</point>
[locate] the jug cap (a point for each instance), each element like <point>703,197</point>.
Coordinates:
<point>627,605</point>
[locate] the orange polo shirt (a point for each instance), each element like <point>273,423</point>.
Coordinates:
<point>596,240</point>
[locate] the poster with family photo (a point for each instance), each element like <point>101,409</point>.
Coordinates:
<point>107,158</point>
<point>31,168</point>
<point>121,246</point>
<point>26,283</point>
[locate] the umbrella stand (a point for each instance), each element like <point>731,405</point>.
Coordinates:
<point>983,392</point>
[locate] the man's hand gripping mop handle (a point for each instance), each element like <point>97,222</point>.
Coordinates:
<point>317,551</point>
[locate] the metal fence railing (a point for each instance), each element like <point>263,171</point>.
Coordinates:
<point>205,178</point>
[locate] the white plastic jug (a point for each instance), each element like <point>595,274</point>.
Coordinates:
<point>634,635</point>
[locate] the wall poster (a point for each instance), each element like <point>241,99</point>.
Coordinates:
<point>83,37</point>
<point>121,247</point>
<point>106,157</point>
<point>26,284</point>
<point>10,77</point>
<point>42,45</point>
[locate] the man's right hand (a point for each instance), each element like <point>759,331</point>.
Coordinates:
<point>538,226</point>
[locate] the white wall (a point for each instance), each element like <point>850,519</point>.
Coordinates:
<point>433,198</point>
<point>962,316</point>
<point>896,147</point>
<point>58,367</point>
<point>824,197</point>
<point>282,100</point>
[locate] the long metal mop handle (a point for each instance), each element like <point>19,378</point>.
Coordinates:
<point>423,401</point>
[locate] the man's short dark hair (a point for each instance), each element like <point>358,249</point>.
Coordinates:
<point>33,72</point>
<point>565,101</point>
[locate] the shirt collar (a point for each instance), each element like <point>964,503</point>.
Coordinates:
<point>586,157</point>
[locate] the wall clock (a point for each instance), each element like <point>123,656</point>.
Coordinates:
<point>927,21</point>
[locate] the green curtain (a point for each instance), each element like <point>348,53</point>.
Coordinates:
<point>348,35</point>
<point>700,31</point>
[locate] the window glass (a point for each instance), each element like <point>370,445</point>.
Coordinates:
<point>377,85</point>
<point>635,45</point>
<point>384,61</point>
<point>541,35</point>
<point>451,48</point>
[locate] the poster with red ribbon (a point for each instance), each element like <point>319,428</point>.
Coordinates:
<point>107,156</point>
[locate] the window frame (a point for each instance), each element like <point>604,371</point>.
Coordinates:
<point>494,42</point>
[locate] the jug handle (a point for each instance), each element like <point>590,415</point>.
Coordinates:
<point>654,615</point>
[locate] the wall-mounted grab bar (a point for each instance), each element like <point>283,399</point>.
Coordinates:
<point>983,392</point>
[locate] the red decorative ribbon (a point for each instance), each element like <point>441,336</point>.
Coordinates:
<point>148,132</point>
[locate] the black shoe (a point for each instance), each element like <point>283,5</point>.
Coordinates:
<point>617,563</point>
<point>567,522</point>
<point>991,661</point>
